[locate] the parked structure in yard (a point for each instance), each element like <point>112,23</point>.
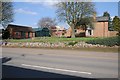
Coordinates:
<point>100,29</point>
<point>20,32</point>
<point>41,32</point>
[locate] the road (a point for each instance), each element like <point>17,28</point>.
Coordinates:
<point>58,63</point>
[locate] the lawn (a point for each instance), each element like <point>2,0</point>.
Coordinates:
<point>55,39</point>
<point>52,39</point>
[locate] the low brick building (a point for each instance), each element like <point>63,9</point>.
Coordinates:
<point>20,32</point>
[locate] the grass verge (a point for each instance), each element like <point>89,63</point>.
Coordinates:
<point>111,50</point>
<point>51,39</point>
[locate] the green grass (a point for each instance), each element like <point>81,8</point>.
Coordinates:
<point>51,39</point>
<point>71,41</point>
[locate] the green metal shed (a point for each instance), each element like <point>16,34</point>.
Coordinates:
<point>42,32</point>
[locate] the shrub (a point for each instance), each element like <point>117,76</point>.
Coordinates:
<point>111,41</point>
<point>72,43</point>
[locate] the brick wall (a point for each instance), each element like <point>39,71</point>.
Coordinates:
<point>112,33</point>
<point>100,29</point>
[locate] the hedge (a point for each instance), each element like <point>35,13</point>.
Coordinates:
<point>72,43</point>
<point>111,41</point>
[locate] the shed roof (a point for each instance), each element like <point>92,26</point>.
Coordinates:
<point>19,28</point>
<point>37,29</point>
<point>40,29</point>
<point>102,19</point>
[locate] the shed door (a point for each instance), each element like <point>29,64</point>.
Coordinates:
<point>28,34</point>
<point>22,34</point>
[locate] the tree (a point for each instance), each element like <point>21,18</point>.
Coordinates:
<point>5,34</point>
<point>106,14</point>
<point>47,22</point>
<point>73,12</point>
<point>85,22</point>
<point>6,10</point>
<point>116,24</point>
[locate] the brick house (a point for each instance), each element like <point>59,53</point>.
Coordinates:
<point>100,29</point>
<point>58,31</point>
<point>20,32</point>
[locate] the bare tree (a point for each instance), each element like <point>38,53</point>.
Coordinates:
<point>73,12</point>
<point>47,22</point>
<point>6,10</point>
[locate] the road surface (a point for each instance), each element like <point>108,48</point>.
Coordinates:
<point>40,63</point>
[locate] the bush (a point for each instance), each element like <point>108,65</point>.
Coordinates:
<point>72,43</point>
<point>5,34</point>
<point>111,41</point>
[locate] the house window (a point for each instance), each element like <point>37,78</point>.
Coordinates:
<point>90,32</point>
<point>23,34</point>
<point>62,33</point>
<point>28,34</point>
<point>75,30</point>
<point>17,33</point>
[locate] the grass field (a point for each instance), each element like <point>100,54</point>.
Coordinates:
<point>51,39</point>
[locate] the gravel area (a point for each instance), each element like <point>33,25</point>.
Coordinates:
<point>52,45</point>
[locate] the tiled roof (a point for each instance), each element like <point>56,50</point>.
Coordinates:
<point>102,19</point>
<point>20,28</point>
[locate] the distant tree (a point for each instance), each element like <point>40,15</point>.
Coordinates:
<point>6,15</point>
<point>47,22</point>
<point>73,12</point>
<point>106,14</point>
<point>110,26</point>
<point>116,24</point>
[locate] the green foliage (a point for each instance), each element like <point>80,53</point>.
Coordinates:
<point>111,41</point>
<point>116,24</point>
<point>110,26</point>
<point>72,43</point>
<point>106,14</point>
<point>85,22</point>
<point>5,34</point>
